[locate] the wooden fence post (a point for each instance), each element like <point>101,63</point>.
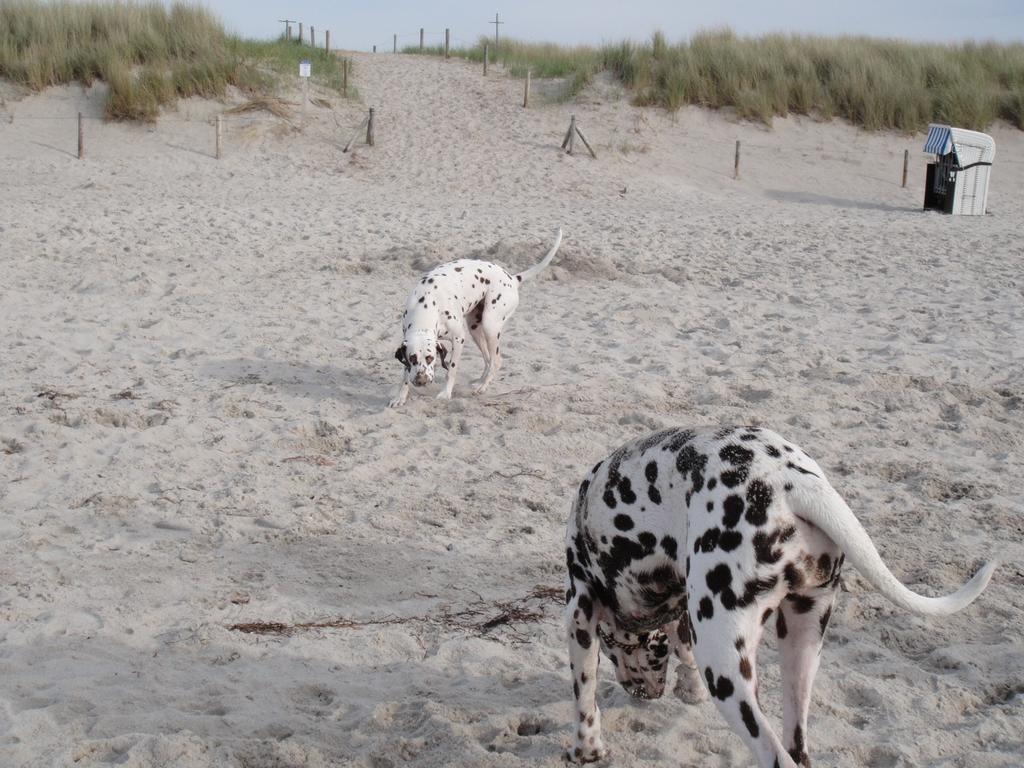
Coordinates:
<point>369,129</point>
<point>586,143</point>
<point>394,44</point>
<point>447,42</point>
<point>906,161</point>
<point>375,49</point>
<point>421,39</point>
<point>485,59</point>
<point>220,135</point>
<point>327,41</point>
<point>312,36</point>
<point>300,33</point>
<point>526,91</point>
<point>344,77</point>
<point>572,133</point>
<point>81,138</point>
<point>736,164</point>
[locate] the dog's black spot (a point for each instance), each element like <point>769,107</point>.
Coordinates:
<point>583,638</point>
<point>719,578</point>
<point>587,606</point>
<point>801,603</point>
<point>736,455</point>
<point>766,615</point>
<point>609,498</point>
<point>824,565</point>
<point>648,540</point>
<point>733,477</point>
<point>722,689</point>
<point>712,483</point>
<point>651,472</point>
<point>575,689</point>
<point>711,505</point>
<point>623,522</point>
<point>759,498</point>
<point>725,688</point>
<point>772,451</point>
<point>668,543</point>
<point>708,541</point>
<point>733,507</point>
<point>764,547</point>
<point>794,577</point>
<point>748,719</point>
<point>689,461</point>
<point>780,625</point>
<point>705,609</point>
<point>654,494</point>
<point>745,668</point>
<point>755,587</point>
<point>729,540</point>
<point>626,491</point>
<point>683,629</point>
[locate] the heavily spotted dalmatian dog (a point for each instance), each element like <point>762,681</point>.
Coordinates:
<point>688,542</point>
<point>455,299</point>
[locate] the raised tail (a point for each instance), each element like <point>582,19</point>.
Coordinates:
<point>821,505</point>
<point>533,271</point>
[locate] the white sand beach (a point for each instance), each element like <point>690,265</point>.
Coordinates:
<point>197,357</point>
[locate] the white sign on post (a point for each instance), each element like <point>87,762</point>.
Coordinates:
<point>304,68</point>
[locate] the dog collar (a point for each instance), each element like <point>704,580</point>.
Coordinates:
<point>608,640</point>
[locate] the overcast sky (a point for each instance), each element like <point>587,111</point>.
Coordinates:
<point>359,25</point>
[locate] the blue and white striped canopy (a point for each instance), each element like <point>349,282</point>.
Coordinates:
<point>939,141</point>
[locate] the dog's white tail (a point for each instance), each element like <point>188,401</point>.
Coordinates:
<point>820,504</point>
<point>533,271</point>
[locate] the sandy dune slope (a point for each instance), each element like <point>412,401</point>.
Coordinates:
<point>195,364</point>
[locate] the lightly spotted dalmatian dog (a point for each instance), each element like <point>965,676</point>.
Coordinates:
<point>688,542</point>
<point>461,297</point>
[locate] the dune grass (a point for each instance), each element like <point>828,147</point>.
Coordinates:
<point>873,83</point>
<point>149,54</point>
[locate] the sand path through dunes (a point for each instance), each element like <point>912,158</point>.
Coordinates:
<point>197,359</point>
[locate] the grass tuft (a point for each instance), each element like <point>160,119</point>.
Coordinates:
<point>873,83</point>
<point>149,54</point>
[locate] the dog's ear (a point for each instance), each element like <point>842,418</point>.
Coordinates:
<point>400,356</point>
<point>443,354</point>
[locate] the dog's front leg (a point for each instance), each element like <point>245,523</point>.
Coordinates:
<point>403,393</point>
<point>458,341</point>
